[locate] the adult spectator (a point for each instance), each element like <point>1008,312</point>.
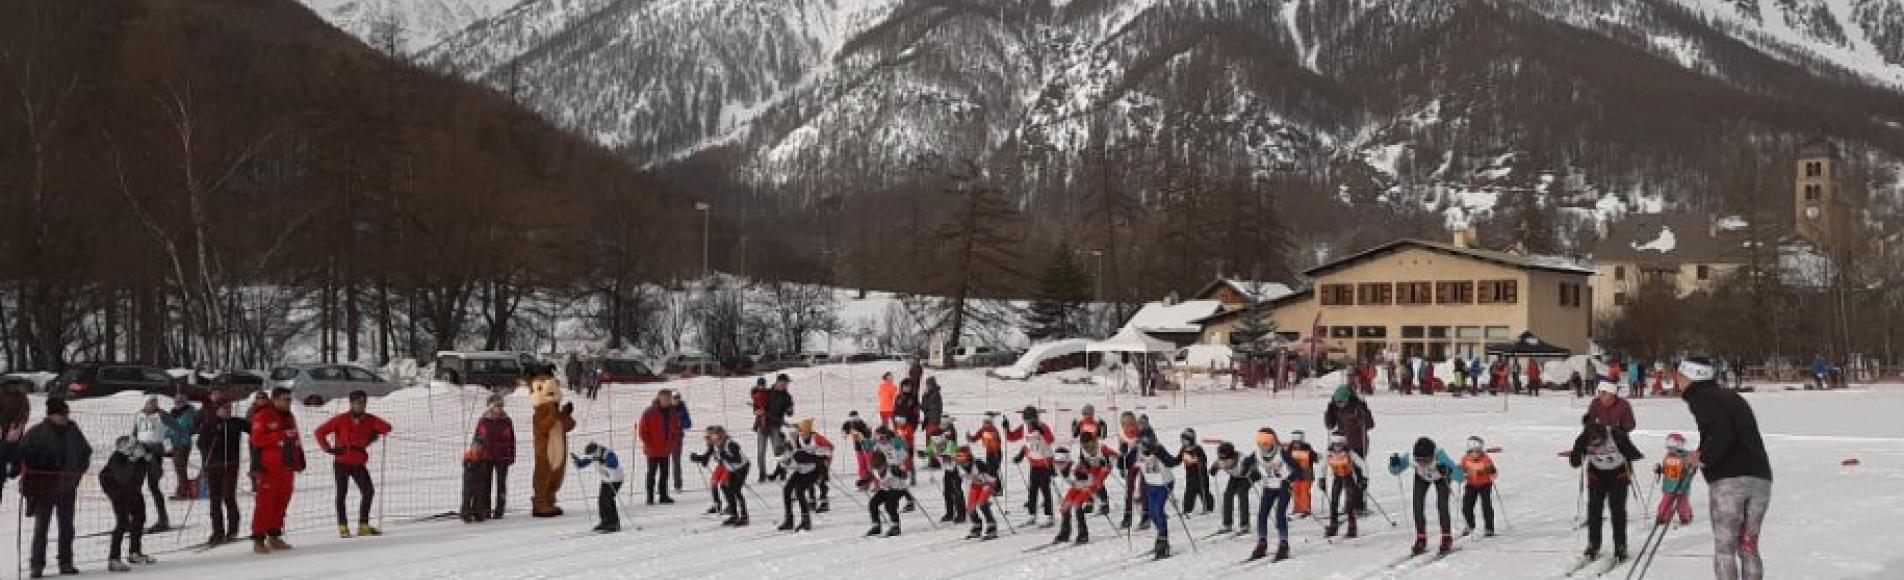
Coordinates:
<point>151,428</point>
<point>277,457</point>
<point>660,433</point>
<point>184,423</point>
<point>888,394</point>
<point>686,422</point>
<point>348,437</point>
<point>1609,409</point>
<point>498,433</point>
<point>907,405</point>
<point>1349,415</point>
<point>219,438</point>
<point>769,421</point>
<point>13,417</point>
<point>53,456</point>
<point>1737,469</point>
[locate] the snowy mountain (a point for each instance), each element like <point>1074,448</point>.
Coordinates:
<point>1443,103</point>
<point>411,25</point>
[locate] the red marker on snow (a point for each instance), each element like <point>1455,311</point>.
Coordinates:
<point>1851,462</point>
<point>1498,450</point>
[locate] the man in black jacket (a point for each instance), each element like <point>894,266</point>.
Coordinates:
<point>220,438</point>
<point>932,410</point>
<point>1737,469</point>
<point>54,455</point>
<point>771,423</point>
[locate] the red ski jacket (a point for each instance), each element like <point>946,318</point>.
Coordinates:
<point>348,437</point>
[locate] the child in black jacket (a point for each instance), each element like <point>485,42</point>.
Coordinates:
<point>1607,457</point>
<point>120,479</point>
<point>1196,484</point>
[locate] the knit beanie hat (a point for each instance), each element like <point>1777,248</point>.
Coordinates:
<point>1424,448</point>
<point>1342,394</point>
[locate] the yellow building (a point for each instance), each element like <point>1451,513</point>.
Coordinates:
<point>1421,298</point>
<point>1683,252</point>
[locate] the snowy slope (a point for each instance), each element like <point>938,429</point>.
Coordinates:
<point>1808,434</point>
<point>418,24</point>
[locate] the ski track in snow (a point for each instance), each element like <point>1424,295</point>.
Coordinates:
<point>1808,433</point>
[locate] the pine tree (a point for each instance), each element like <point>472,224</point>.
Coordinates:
<point>1058,309</point>
<point>1253,330</point>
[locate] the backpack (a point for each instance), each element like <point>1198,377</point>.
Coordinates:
<point>293,455</point>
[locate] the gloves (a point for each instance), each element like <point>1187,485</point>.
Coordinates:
<point>568,408</point>
<point>1395,462</point>
<point>1017,459</point>
<point>333,451</point>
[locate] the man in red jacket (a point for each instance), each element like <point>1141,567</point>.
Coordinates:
<point>660,432</point>
<point>347,438</point>
<point>278,456</point>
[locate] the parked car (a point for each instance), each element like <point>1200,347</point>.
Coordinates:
<point>691,364</point>
<point>489,369</point>
<point>316,383</point>
<point>239,385</point>
<point>627,370</point>
<point>102,379</point>
<point>781,361</point>
<point>735,365</point>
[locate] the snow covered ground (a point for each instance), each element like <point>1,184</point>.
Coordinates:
<point>1826,521</point>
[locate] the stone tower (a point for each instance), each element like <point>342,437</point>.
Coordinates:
<point>1818,208</point>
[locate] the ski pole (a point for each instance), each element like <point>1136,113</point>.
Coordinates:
<point>1500,499</point>
<point>383,463</point>
<point>1128,543</point>
<point>1008,525</point>
<point>1580,498</point>
<point>1684,480</point>
<point>1378,504</point>
<point>922,509</point>
<point>1184,522</point>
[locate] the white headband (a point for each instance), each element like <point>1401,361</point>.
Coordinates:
<point>1695,371</point>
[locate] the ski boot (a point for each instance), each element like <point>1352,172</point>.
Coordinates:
<point>1126,524</point>
<point>893,532</point>
<point>1163,549</point>
<point>1421,545</point>
<point>991,532</point>
<point>740,522</point>
<point>1031,523</point>
<point>786,525</point>
<point>875,531</point>
<point>1619,554</point>
<point>1262,549</point>
<point>159,527</point>
<point>115,565</point>
<point>1064,532</point>
<point>1225,529</point>
<point>712,510</point>
<point>141,559</point>
<point>977,531</point>
<point>805,525</point>
<point>1084,536</point>
<point>343,531</point>
<point>258,546</point>
<point>1489,533</point>
<point>1351,534</point>
<point>1328,531</point>
<point>276,543</point>
<point>1447,544</point>
<point>1592,553</point>
<point>368,530</point>
<point>1143,524</point>
<point>910,507</point>
<point>1282,551</point>
<point>730,521</point>
<point>822,508</point>
<point>946,519</point>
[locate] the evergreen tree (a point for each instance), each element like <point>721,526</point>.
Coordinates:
<point>1253,331</point>
<point>1058,309</point>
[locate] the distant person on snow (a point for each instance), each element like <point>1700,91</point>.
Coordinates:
<point>608,469</point>
<point>279,457</point>
<point>1432,469</point>
<point>476,472</point>
<point>498,434</point>
<point>660,433</point>
<point>1480,471</point>
<point>1608,456</point>
<point>348,438</point>
<point>119,479</point>
<point>220,437</point>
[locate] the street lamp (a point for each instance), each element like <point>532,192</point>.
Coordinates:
<point>703,207</point>
<point>1099,254</point>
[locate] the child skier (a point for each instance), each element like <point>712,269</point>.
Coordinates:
<point>120,480</point>
<point>1432,468</point>
<point>803,465</point>
<point>1196,485</point>
<point>608,467</point>
<point>860,437</point>
<point>476,475</point>
<point>1088,423</point>
<point>1480,472</point>
<point>1085,481</point>
<point>806,439</point>
<point>1608,457</point>
<point>1675,490</point>
<point>888,445</point>
<point>1129,429</point>
<point>889,485</point>
<point>730,472</point>
<point>979,482</point>
<point>1155,465</point>
<point>952,485</point>
<point>1038,439</point>
<point>1236,486</point>
<point>988,438</point>
<point>1304,458</point>
<point>1275,471</point>
<point>1348,480</point>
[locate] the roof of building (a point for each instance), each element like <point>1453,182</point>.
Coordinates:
<point>1254,290</point>
<point>1178,317</point>
<point>1271,303</point>
<point>1527,262</point>
<point>1674,238</point>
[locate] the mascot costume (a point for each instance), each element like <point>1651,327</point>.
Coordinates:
<point>553,421</point>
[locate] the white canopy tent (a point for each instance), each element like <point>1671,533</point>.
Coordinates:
<point>1130,340</point>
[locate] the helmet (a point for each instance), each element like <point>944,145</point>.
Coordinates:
<point>1676,442</point>
<point>1225,449</point>
<point>1338,439</point>
<point>1089,409</point>
<point>1424,448</point>
<point>1189,435</point>
<point>1030,413</point>
<point>1061,455</point>
<point>1296,435</point>
<point>1475,443</point>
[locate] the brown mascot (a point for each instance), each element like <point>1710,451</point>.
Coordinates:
<point>553,421</point>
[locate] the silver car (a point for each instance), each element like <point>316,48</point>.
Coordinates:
<point>329,381</point>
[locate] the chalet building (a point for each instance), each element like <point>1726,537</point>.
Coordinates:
<point>1236,294</point>
<point>1428,299</point>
